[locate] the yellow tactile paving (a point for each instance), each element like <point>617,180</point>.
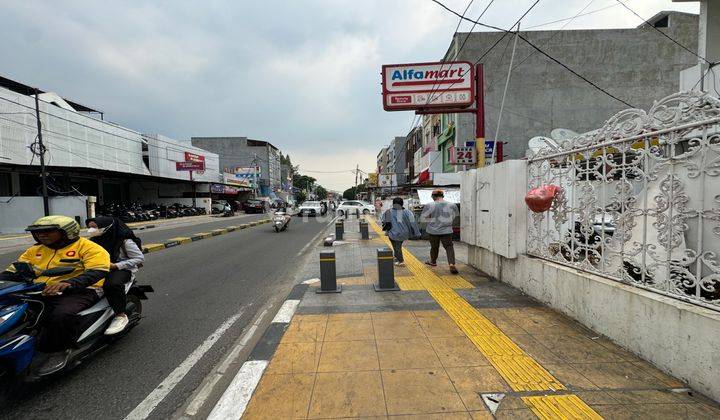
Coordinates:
<point>408,283</point>
<point>456,282</point>
<point>520,370</point>
<point>560,407</point>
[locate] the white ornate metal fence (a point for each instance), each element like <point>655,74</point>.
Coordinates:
<point>640,199</point>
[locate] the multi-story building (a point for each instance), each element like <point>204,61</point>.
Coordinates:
<point>382,161</point>
<point>243,154</point>
<point>636,65</point>
<point>413,143</point>
<point>396,160</point>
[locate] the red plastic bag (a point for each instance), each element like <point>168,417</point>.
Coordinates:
<point>540,199</point>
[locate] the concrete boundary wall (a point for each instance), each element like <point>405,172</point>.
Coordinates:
<point>679,338</point>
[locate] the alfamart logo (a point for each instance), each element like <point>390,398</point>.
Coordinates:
<point>428,75</point>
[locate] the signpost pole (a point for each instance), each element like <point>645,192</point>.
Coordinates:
<point>480,114</point>
<point>193,189</point>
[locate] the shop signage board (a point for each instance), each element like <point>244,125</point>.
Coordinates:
<point>190,166</point>
<point>464,155</point>
<point>419,86</point>
<point>193,157</point>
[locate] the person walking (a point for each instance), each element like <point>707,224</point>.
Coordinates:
<point>399,224</point>
<point>440,215</point>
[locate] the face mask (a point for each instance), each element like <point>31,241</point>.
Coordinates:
<point>94,232</point>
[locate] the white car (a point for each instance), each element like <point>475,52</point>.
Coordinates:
<point>353,206</point>
<point>310,208</point>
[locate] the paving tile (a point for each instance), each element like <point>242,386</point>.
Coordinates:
<point>310,318</point>
<point>434,416</point>
<point>481,415</point>
<point>281,397</point>
<point>569,376</point>
<point>501,321</point>
<point>535,349</point>
<point>295,358</point>
<point>347,394</point>
<point>400,327</point>
<point>667,380</point>
<point>352,281</point>
<point>348,356</point>
<point>420,391</point>
<point>349,329</point>
<point>649,396</point>
<point>578,349</point>
<point>470,382</point>
<point>304,331</point>
<point>620,375</point>
<point>457,352</point>
<point>521,414</point>
<point>407,353</point>
<point>615,412</point>
<point>702,411</point>
<point>511,402</point>
<point>660,411</point>
<point>349,316</point>
<point>438,326</point>
<point>393,316</point>
<point>596,397</point>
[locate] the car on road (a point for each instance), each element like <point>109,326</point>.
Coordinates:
<point>254,205</point>
<point>352,206</point>
<point>310,208</point>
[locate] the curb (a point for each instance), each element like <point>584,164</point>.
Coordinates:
<point>177,241</point>
<point>237,395</point>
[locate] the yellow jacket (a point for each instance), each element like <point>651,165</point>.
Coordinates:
<point>83,254</point>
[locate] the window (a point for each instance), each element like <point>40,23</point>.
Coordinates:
<point>662,22</point>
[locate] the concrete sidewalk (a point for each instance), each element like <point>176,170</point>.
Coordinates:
<point>447,346</point>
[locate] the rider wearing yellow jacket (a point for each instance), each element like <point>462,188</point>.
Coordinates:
<point>59,245</point>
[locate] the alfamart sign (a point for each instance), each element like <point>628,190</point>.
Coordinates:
<point>428,85</point>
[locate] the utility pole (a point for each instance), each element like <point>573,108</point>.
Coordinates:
<point>43,175</point>
<point>256,182</point>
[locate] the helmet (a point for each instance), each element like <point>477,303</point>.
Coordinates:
<point>68,225</point>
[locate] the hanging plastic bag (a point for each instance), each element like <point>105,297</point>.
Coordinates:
<point>540,199</point>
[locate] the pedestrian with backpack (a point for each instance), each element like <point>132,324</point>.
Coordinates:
<point>399,225</point>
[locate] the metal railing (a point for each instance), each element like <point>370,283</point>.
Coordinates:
<point>639,200</point>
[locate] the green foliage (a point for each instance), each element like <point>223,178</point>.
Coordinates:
<point>320,192</point>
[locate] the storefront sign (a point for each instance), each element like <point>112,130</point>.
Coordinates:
<point>428,85</point>
<point>217,188</point>
<point>192,157</point>
<point>232,179</point>
<point>465,155</point>
<point>189,166</point>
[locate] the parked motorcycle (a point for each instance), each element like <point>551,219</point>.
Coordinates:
<point>21,307</point>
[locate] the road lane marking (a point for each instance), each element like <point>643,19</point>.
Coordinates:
<point>287,310</point>
<point>143,410</point>
<point>233,402</point>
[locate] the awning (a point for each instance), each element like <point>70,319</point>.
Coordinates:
<point>423,176</point>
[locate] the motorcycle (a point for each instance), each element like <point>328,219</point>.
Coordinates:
<point>20,311</point>
<point>280,221</point>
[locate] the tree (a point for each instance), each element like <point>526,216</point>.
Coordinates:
<point>303,182</point>
<point>350,193</point>
<point>301,196</point>
<point>321,192</point>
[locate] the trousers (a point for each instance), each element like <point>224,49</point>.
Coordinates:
<point>447,243</point>
<point>397,250</point>
<point>114,288</point>
<point>60,324</point>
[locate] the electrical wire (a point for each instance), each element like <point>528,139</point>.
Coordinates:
<point>664,34</point>
<point>572,17</point>
<point>538,49</point>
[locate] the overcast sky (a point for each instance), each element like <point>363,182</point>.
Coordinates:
<point>303,75</point>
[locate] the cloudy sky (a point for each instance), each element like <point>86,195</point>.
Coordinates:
<point>303,75</point>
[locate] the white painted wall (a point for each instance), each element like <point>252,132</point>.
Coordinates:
<point>20,212</point>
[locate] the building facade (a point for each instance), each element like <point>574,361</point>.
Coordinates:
<point>637,65</point>
<point>241,154</point>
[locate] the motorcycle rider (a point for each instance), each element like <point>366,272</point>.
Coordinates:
<point>59,245</point>
<point>126,258</point>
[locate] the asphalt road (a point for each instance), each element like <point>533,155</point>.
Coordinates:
<point>198,286</point>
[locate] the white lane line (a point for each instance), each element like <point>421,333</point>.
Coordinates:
<point>143,410</point>
<point>233,402</point>
<point>207,388</point>
<point>314,239</point>
<point>287,310</point>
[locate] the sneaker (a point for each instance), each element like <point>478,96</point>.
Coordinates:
<point>118,324</point>
<point>55,362</point>
<point>431,264</point>
<point>399,263</point>
<point>453,269</point>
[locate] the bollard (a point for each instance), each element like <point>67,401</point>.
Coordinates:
<point>364,234</point>
<point>328,280</point>
<point>339,230</point>
<point>345,213</point>
<point>386,271</point>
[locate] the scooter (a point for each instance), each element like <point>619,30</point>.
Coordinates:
<point>21,308</point>
<point>280,221</point>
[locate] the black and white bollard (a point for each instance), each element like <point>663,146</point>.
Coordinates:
<point>386,271</point>
<point>339,230</point>
<point>328,278</point>
<point>364,233</point>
